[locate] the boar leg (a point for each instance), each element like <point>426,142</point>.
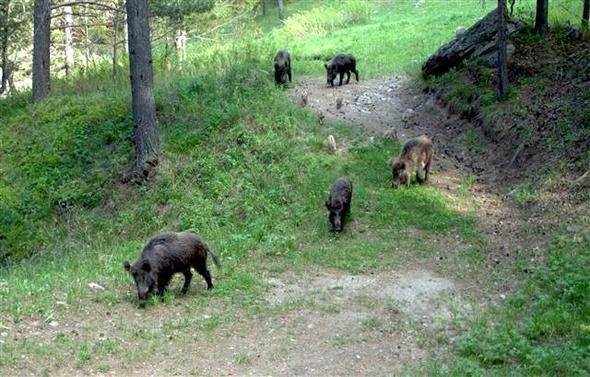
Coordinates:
<point>341,77</point>
<point>347,77</point>
<point>204,272</point>
<point>289,73</point>
<point>427,169</point>
<point>187,280</point>
<point>356,74</point>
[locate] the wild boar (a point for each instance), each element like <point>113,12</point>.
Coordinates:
<point>167,254</point>
<point>282,67</point>
<point>341,64</point>
<point>338,202</point>
<point>416,157</point>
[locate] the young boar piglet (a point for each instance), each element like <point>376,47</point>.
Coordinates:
<point>416,157</point>
<point>338,202</point>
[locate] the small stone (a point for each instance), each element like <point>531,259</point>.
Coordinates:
<point>96,286</point>
<point>53,323</point>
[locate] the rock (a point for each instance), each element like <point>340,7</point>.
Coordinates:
<point>573,32</point>
<point>476,41</point>
<point>490,59</point>
<point>96,286</point>
<point>331,143</point>
<point>460,30</point>
<point>53,324</point>
<point>409,117</point>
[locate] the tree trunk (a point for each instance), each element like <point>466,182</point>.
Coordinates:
<point>142,93</point>
<point>586,13</point>
<point>41,44</point>
<point>115,37</point>
<point>180,45</point>
<point>281,9</point>
<point>69,49</point>
<point>86,39</point>
<point>4,47</point>
<point>502,77</point>
<point>264,7</point>
<point>542,17</point>
<point>125,29</point>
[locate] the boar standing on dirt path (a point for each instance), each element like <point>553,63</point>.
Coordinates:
<point>167,254</point>
<point>282,67</point>
<point>416,157</point>
<point>338,202</point>
<point>341,64</point>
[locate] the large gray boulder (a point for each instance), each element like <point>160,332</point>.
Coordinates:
<point>478,40</point>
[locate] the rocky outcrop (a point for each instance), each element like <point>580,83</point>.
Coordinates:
<point>478,40</point>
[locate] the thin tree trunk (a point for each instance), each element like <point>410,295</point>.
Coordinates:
<point>86,39</point>
<point>125,29</point>
<point>502,77</point>
<point>115,39</point>
<point>281,4</point>
<point>586,13</point>
<point>180,45</point>
<point>41,45</point>
<point>542,17</point>
<point>4,52</point>
<point>142,93</point>
<point>68,46</point>
<point>264,7</point>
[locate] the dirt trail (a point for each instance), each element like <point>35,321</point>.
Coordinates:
<point>394,108</point>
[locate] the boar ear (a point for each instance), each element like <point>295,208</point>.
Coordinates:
<point>146,266</point>
<point>126,265</point>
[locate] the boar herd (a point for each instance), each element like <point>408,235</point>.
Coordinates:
<point>170,253</point>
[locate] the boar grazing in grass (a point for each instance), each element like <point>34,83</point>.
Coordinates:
<point>416,157</point>
<point>341,64</point>
<point>166,254</point>
<point>282,67</point>
<point>338,202</point>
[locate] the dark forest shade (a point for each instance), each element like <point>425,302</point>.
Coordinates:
<point>586,13</point>
<point>41,42</point>
<point>142,90</point>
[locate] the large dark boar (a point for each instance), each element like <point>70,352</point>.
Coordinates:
<point>338,202</point>
<point>282,67</point>
<point>167,254</point>
<point>416,157</point>
<point>341,64</point>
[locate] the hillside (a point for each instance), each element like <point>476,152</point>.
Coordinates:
<point>480,271</point>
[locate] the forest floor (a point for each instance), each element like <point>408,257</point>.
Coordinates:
<point>322,321</point>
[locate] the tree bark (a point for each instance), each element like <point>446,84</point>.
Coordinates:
<point>180,45</point>
<point>125,30</point>
<point>542,17</point>
<point>68,45</point>
<point>86,39</point>
<point>4,47</point>
<point>281,4</point>
<point>142,93</point>
<point>264,7</point>
<point>502,76</point>
<point>115,37</point>
<point>41,45</point>
<point>586,13</point>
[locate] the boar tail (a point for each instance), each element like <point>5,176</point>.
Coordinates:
<point>215,258</point>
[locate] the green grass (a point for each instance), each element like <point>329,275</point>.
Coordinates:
<point>246,169</point>
<point>541,330</point>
